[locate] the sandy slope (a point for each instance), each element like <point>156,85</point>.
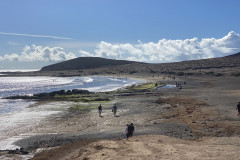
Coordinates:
<point>149,147</point>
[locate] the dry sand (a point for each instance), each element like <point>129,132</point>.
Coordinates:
<point>148,147</point>
<point>198,121</point>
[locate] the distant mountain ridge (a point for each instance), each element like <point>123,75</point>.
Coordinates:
<point>234,55</point>
<point>228,65</point>
<point>82,63</point>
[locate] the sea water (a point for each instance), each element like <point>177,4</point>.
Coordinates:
<point>16,116</point>
<point>11,86</point>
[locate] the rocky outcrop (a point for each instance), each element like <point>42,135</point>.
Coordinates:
<point>50,95</point>
<point>20,151</point>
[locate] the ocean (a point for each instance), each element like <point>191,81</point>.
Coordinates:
<point>10,86</point>
<point>16,116</point>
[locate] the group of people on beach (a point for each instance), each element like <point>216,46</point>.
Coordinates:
<point>114,110</point>
<point>130,127</point>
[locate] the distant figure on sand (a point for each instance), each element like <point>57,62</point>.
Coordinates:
<point>114,110</point>
<point>238,108</point>
<point>126,131</point>
<point>100,110</point>
<point>130,130</point>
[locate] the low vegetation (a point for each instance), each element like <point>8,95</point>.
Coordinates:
<point>82,98</point>
<point>180,73</point>
<point>218,74</point>
<point>145,86</point>
<point>141,88</point>
<point>236,74</point>
<point>81,107</point>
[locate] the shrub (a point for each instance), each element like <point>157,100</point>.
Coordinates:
<point>218,74</point>
<point>189,74</point>
<point>236,74</point>
<point>180,73</point>
<point>209,73</point>
<point>132,72</point>
<point>152,71</point>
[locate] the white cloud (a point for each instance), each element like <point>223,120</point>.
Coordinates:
<point>85,54</point>
<point>170,50</point>
<point>156,52</point>
<point>39,53</point>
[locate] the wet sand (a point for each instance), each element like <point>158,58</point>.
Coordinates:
<point>198,121</point>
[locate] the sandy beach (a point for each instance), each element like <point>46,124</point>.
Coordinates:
<point>197,121</point>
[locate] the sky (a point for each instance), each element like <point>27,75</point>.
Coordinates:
<point>36,33</point>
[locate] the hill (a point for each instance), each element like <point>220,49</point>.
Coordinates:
<point>85,63</point>
<point>216,66</point>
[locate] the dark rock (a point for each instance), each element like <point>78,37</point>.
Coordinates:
<point>39,95</point>
<point>20,97</point>
<point>17,151</point>
<point>69,92</point>
<point>61,92</point>
<point>77,91</point>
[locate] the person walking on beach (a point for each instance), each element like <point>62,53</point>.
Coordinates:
<point>238,108</point>
<point>126,131</point>
<point>100,110</point>
<point>114,110</point>
<point>130,130</point>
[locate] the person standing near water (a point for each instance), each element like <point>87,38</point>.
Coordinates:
<point>130,130</point>
<point>100,110</point>
<point>114,110</point>
<point>238,108</point>
<point>126,131</point>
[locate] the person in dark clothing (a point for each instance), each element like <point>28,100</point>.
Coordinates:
<point>100,110</point>
<point>238,108</point>
<point>126,131</point>
<point>114,110</point>
<point>130,130</point>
